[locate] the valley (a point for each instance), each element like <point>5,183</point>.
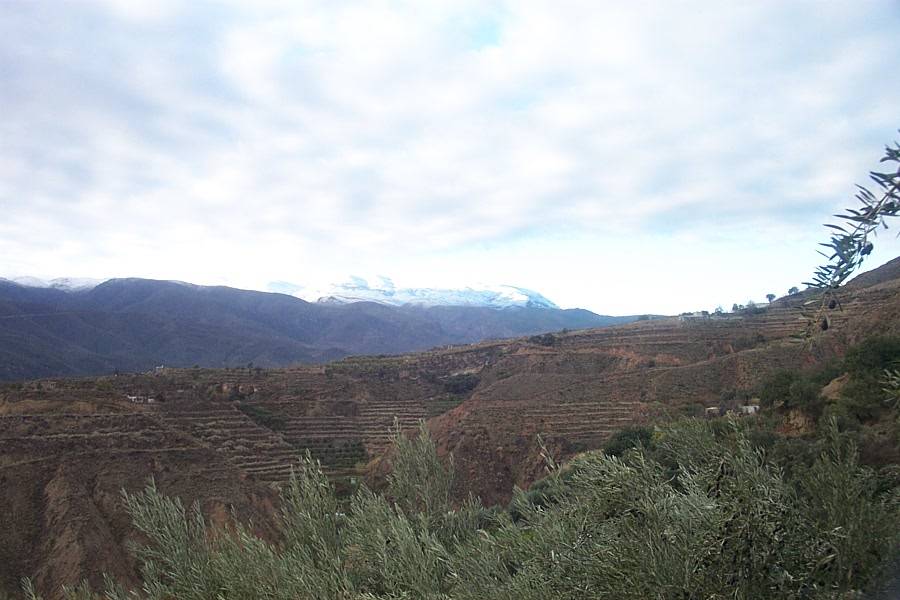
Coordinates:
<point>227,438</point>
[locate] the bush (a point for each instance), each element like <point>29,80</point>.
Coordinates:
<point>826,373</point>
<point>864,397</point>
<point>628,438</point>
<point>702,513</point>
<point>263,416</point>
<point>776,388</point>
<point>547,339</point>
<point>873,356</point>
<point>461,384</point>
<point>790,389</point>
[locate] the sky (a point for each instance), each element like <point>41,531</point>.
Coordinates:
<point>625,157</point>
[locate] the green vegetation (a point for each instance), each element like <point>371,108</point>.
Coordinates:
<point>691,509</point>
<point>461,384</point>
<point>892,387</point>
<point>262,416</point>
<point>864,396</point>
<point>628,438</point>
<point>790,389</point>
<point>438,405</point>
<point>547,339</point>
<point>695,508</point>
<point>347,453</point>
<point>873,356</point>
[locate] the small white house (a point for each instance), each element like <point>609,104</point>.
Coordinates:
<point>140,399</point>
<point>694,316</point>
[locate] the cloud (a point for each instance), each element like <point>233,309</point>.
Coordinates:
<point>236,143</point>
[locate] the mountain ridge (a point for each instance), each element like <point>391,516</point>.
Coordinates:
<point>356,289</point>
<point>222,437</point>
<point>133,324</point>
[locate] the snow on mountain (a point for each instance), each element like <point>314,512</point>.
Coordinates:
<point>69,284</point>
<point>383,291</point>
<point>358,289</point>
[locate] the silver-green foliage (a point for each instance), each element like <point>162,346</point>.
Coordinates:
<point>891,381</point>
<point>701,516</point>
<point>703,513</point>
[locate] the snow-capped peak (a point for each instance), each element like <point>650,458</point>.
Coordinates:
<point>384,291</point>
<point>68,284</point>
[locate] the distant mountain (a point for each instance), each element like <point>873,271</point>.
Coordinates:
<point>135,324</point>
<point>383,291</point>
<point>60,283</point>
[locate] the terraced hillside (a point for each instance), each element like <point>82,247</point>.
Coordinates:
<point>229,437</point>
<point>582,386</point>
<point>60,479</point>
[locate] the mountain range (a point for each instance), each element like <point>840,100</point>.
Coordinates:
<point>222,438</point>
<point>75,327</point>
<point>383,291</point>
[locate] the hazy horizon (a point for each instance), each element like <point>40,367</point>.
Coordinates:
<point>648,158</point>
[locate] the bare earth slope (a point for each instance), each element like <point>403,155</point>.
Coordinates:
<point>61,474</point>
<point>228,437</point>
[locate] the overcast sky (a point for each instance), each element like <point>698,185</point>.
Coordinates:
<point>625,157</point>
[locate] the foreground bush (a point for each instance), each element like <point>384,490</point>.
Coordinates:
<point>702,514</point>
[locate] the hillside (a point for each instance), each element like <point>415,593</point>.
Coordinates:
<point>228,436</point>
<point>137,324</point>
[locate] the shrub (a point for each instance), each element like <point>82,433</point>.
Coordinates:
<point>873,356</point>
<point>262,416</point>
<point>864,397</point>
<point>628,438</point>
<point>692,410</point>
<point>791,389</point>
<point>776,388</point>
<point>702,513</point>
<point>547,339</point>
<point>461,384</point>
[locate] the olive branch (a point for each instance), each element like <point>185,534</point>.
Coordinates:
<point>851,237</point>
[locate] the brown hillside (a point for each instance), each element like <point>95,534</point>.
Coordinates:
<point>591,383</point>
<point>885,273</point>
<point>228,437</point>
<point>60,481</point>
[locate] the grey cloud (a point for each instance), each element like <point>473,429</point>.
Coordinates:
<point>364,130</point>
